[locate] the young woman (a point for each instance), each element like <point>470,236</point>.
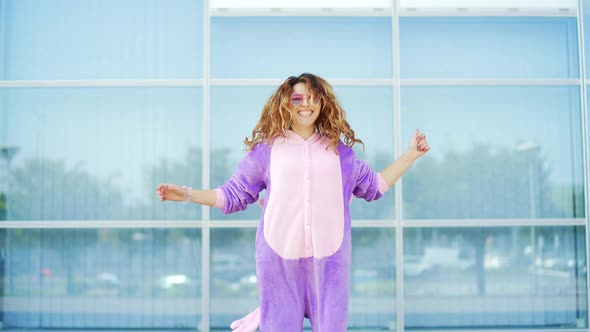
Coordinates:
<point>303,242</point>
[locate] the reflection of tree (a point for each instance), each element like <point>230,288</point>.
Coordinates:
<point>3,211</point>
<point>478,184</point>
<point>46,190</point>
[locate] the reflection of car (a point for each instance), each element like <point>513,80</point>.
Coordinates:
<point>108,279</point>
<point>416,265</point>
<point>364,275</point>
<point>558,275</point>
<point>104,283</point>
<point>176,284</point>
<point>378,281</point>
<point>559,266</point>
<point>445,257</point>
<point>494,261</point>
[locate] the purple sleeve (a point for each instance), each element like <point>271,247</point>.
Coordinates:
<point>244,185</point>
<point>369,185</point>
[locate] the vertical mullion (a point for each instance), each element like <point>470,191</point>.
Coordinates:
<point>399,254</point>
<point>205,233</point>
<point>4,251</point>
<point>3,46</point>
<point>584,110</point>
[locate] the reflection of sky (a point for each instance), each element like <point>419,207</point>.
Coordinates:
<point>109,132</point>
<point>514,47</point>
<point>70,39</point>
<point>457,118</point>
<point>336,47</point>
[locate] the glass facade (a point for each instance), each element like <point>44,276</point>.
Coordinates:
<point>112,278</point>
<point>101,101</point>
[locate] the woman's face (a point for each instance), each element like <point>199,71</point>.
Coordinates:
<point>304,107</point>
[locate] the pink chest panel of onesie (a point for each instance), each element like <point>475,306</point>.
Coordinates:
<point>304,215</point>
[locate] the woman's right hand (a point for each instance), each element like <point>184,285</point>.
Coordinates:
<point>171,192</point>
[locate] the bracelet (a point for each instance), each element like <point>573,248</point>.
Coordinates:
<point>189,194</point>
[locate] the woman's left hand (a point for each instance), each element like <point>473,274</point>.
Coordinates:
<point>418,145</point>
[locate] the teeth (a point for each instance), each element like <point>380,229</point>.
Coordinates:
<point>305,113</point>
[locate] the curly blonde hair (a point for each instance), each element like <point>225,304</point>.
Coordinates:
<point>276,119</point>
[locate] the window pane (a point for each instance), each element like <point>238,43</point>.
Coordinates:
<point>99,153</point>
<point>236,110</point>
<point>234,290</point>
<point>105,278</point>
<point>490,5</point>
<point>586,20</point>
<point>372,279</point>
<point>496,152</point>
<point>495,277</point>
<point>101,39</point>
<point>488,47</point>
<point>271,47</point>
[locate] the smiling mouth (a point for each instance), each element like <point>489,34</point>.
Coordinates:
<point>305,114</point>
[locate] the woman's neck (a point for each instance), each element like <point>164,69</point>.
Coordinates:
<point>305,133</point>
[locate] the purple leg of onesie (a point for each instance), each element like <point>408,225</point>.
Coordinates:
<point>291,289</point>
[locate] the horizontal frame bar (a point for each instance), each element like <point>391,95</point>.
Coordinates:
<point>98,83</point>
<point>132,224</point>
<point>278,81</point>
<point>493,222</point>
<point>360,223</point>
<point>386,12</point>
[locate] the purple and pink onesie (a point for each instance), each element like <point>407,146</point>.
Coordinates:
<point>303,242</point>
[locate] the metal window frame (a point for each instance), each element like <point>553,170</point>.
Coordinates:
<point>402,12</point>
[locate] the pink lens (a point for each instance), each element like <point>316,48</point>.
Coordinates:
<point>296,99</point>
<point>316,98</point>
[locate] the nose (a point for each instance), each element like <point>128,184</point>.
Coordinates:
<point>305,101</point>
